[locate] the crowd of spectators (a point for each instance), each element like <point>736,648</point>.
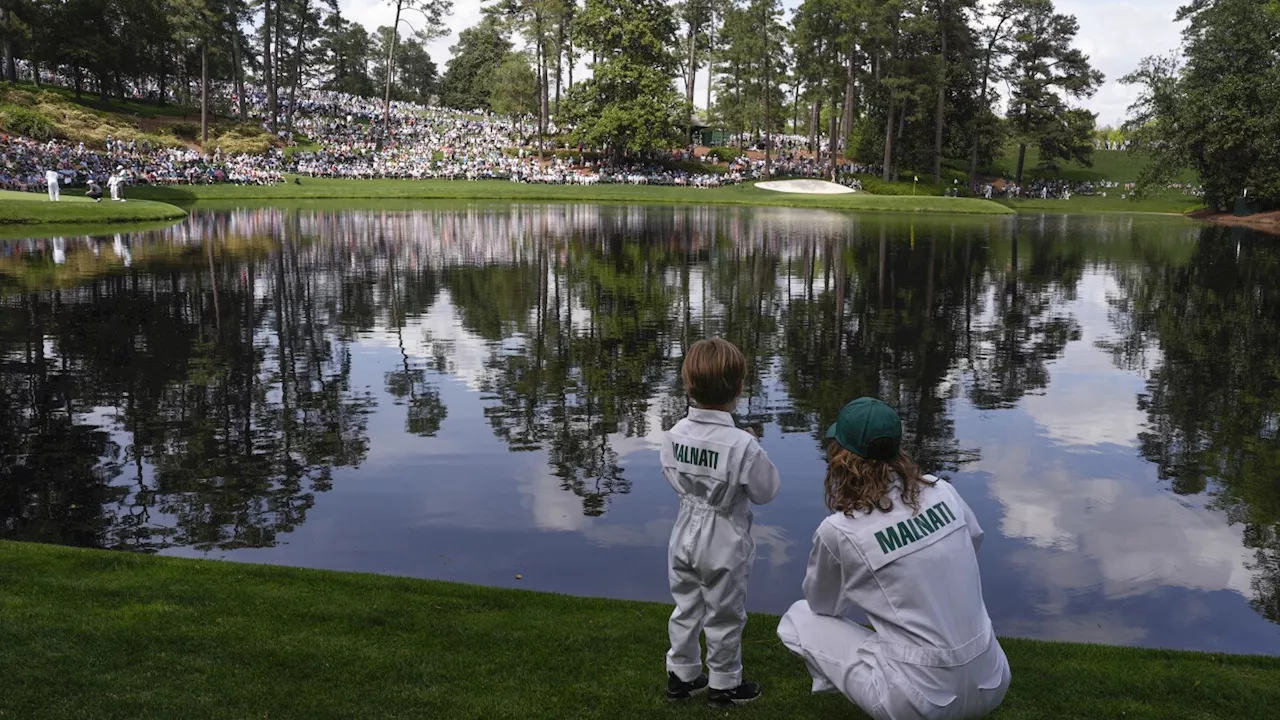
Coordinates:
<point>335,135</point>
<point>24,162</point>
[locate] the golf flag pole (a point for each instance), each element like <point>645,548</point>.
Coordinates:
<point>913,184</point>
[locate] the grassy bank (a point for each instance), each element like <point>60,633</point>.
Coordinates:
<point>47,113</point>
<point>313,189</point>
<point>18,208</point>
<point>1117,165</point>
<point>1172,203</point>
<point>112,635</point>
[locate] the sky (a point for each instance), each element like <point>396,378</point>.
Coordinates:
<point>1115,35</point>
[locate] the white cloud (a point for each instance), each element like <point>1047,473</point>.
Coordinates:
<point>1089,402</point>
<point>1115,36</point>
<point>1112,534</point>
<point>440,326</point>
<point>375,13</point>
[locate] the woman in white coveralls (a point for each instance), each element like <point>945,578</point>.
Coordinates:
<point>901,547</point>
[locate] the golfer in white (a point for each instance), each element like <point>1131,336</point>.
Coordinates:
<point>902,547</point>
<point>51,179</point>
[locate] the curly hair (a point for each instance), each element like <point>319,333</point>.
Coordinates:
<point>858,484</point>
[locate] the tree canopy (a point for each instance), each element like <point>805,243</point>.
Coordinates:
<point>629,104</point>
<point>899,83</point>
<point>474,61</point>
<point>1220,112</point>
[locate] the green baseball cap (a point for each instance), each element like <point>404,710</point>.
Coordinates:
<point>862,421</point>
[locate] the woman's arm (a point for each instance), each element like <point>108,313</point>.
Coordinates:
<point>825,579</point>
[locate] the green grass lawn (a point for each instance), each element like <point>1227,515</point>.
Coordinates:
<point>501,190</point>
<point>1172,202</point>
<point>94,634</point>
<point>1117,165</point>
<point>19,208</point>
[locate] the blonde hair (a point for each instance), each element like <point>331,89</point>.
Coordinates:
<point>857,484</point>
<point>713,371</point>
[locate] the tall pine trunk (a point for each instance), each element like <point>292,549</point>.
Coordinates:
<point>742,118</point>
<point>391,66</point>
<point>204,94</point>
<point>560,43</point>
<point>795,108</point>
<point>569,65</point>
<point>887,171</point>
<point>10,67</point>
<point>768,107</point>
<point>850,94</point>
<point>982,111</point>
<point>815,114</point>
<point>545,62</point>
<point>268,73</point>
<point>887,166</point>
<point>897,149</point>
<point>711,48</point>
<point>833,149</point>
<point>542,88</point>
<point>942,87</point>
<point>238,70</point>
<point>690,80</point>
<point>983,108</point>
<point>297,63</point>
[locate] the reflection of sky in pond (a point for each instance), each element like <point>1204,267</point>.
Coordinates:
<point>1085,541</point>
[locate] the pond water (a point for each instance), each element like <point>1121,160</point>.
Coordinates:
<point>472,392</point>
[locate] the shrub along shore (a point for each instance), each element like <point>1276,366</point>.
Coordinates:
<point>18,208</point>
<point>86,633</point>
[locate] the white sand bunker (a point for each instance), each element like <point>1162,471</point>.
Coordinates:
<point>808,187</point>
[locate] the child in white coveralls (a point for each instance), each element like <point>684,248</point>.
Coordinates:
<point>717,470</point>
<point>902,547</point>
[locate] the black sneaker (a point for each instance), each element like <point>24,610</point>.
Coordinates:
<point>744,693</point>
<point>678,689</point>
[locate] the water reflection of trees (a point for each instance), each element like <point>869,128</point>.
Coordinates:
<point>1029,324</point>
<point>587,328</point>
<point>198,406</point>
<point>203,396</point>
<point>1210,328</point>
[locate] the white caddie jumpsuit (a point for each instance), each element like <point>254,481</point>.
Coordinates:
<point>718,470</point>
<point>113,183</point>
<point>51,179</point>
<point>933,654</point>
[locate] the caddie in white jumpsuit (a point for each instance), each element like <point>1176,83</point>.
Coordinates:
<point>717,469</point>
<point>933,654</point>
<point>114,182</point>
<point>51,179</point>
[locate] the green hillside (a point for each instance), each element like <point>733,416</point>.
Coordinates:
<point>1115,165</point>
<point>48,113</point>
